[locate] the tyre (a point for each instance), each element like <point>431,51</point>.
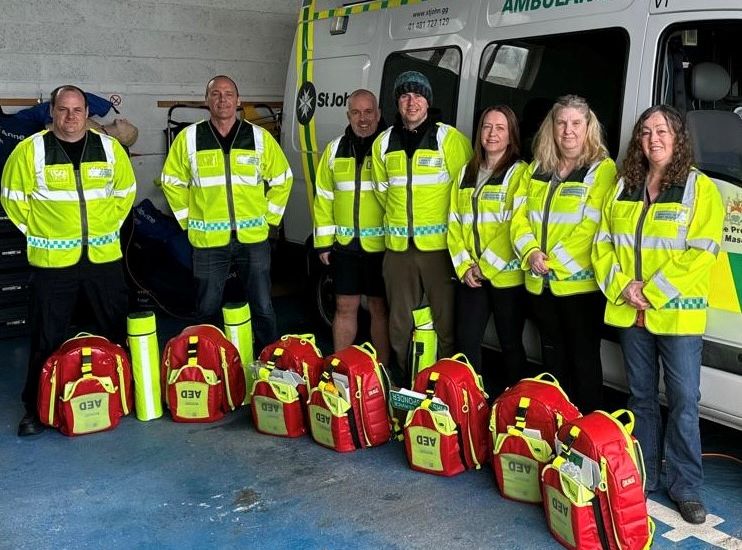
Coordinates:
<point>320,295</point>
<point>324,296</point>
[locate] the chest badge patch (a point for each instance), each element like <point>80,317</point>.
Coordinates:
<point>430,162</point>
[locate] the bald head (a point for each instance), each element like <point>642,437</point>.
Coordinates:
<point>363,113</point>
<point>222,98</point>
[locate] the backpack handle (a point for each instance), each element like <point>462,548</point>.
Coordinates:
<point>220,331</point>
<point>303,337</point>
<point>629,424</point>
<point>368,348</point>
<point>461,357</point>
<point>547,377</point>
<point>82,334</point>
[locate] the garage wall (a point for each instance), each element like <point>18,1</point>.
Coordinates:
<point>145,51</point>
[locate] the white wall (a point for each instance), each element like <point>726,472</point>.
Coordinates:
<point>145,51</point>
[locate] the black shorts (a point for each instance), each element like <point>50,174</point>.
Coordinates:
<point>357,272</point>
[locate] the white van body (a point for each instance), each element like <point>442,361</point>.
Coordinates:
<point>622,55</point>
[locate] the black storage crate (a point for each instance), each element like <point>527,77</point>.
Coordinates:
<point>13,287</point>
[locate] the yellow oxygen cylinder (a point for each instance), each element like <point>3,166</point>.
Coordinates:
<point>424,344</point>
<point>145,362</point>
<point>238,329</point>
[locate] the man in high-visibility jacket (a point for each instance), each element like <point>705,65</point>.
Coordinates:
<point>227,181</point>
<point>414,164</point>
<point>68,190</point>
<point>348,225</point>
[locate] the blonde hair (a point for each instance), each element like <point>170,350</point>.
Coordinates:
<point>545,148</point>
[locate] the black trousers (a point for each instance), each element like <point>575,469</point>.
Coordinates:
<point>509,309</point>
<point>54,296</point>
<point>570,329</point>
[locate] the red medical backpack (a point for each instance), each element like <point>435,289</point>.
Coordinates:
<point>279,406</point>
<point>524,422</point>
<point>202,377</point>
<point>447,442</point>
<point>593,491</point>
<point>354,413</point>
<point>85,386</point>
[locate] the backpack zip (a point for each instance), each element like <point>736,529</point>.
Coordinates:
<point>53,394</point>
<point>225,370</point>
<point>599,516</point>
<point>362,419</point>
<point>122,384</point>
<point>467,411</point>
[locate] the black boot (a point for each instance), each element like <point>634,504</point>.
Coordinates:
<point>30,425</point>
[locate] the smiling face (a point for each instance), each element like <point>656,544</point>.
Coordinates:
<point>363,115</point>
<point>69,115</point>
<point>658,141</point>
<point>570,129</point>
<point>222,99</point>
<point>495,135</point>
<point>413,108</point>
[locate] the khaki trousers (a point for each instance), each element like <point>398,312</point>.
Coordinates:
<point>413,279</point>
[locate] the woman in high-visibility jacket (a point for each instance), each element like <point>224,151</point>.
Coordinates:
<point>480,248</point>
<point>659,236</point>
<point>557,213</point>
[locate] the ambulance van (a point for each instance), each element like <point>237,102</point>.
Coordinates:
<point>622,55</point>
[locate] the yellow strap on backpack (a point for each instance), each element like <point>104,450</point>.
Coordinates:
<point>87,362</point>
<point>520,413</point>
<point>193,350</point>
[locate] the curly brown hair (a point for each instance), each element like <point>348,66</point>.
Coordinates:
<point>636,166</point>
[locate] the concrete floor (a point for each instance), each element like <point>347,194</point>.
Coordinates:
<point>165,485</point>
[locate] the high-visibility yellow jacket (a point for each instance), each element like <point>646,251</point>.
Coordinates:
<point>415,192</point>
<point>560,218</point>
<point>479,227</point>
<point>671,245</point>
<point>60,209</point>
<point>213,193</point>
<point>345,206</point>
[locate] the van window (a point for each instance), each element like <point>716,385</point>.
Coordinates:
<point>699,72</point>
<point>529,74</point>
<point>442,66</point>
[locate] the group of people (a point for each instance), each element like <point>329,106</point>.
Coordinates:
<point>567,238</point>
<point>411,215</point>
<point>69,189</point>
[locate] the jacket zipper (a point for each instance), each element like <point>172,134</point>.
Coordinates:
<point>639,316</point>
<point>553,184</point>
<point>475,218</point>
<point>80,192</point>
<point>637,240</point>
<point>228,175</point>
<point>357,198</point>
<point>410,226</point>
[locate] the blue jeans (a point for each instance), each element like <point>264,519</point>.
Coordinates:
<point>253,264</point>
<point>681,362</point>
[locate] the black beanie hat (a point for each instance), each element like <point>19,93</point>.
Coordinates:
<point>413,82</point>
